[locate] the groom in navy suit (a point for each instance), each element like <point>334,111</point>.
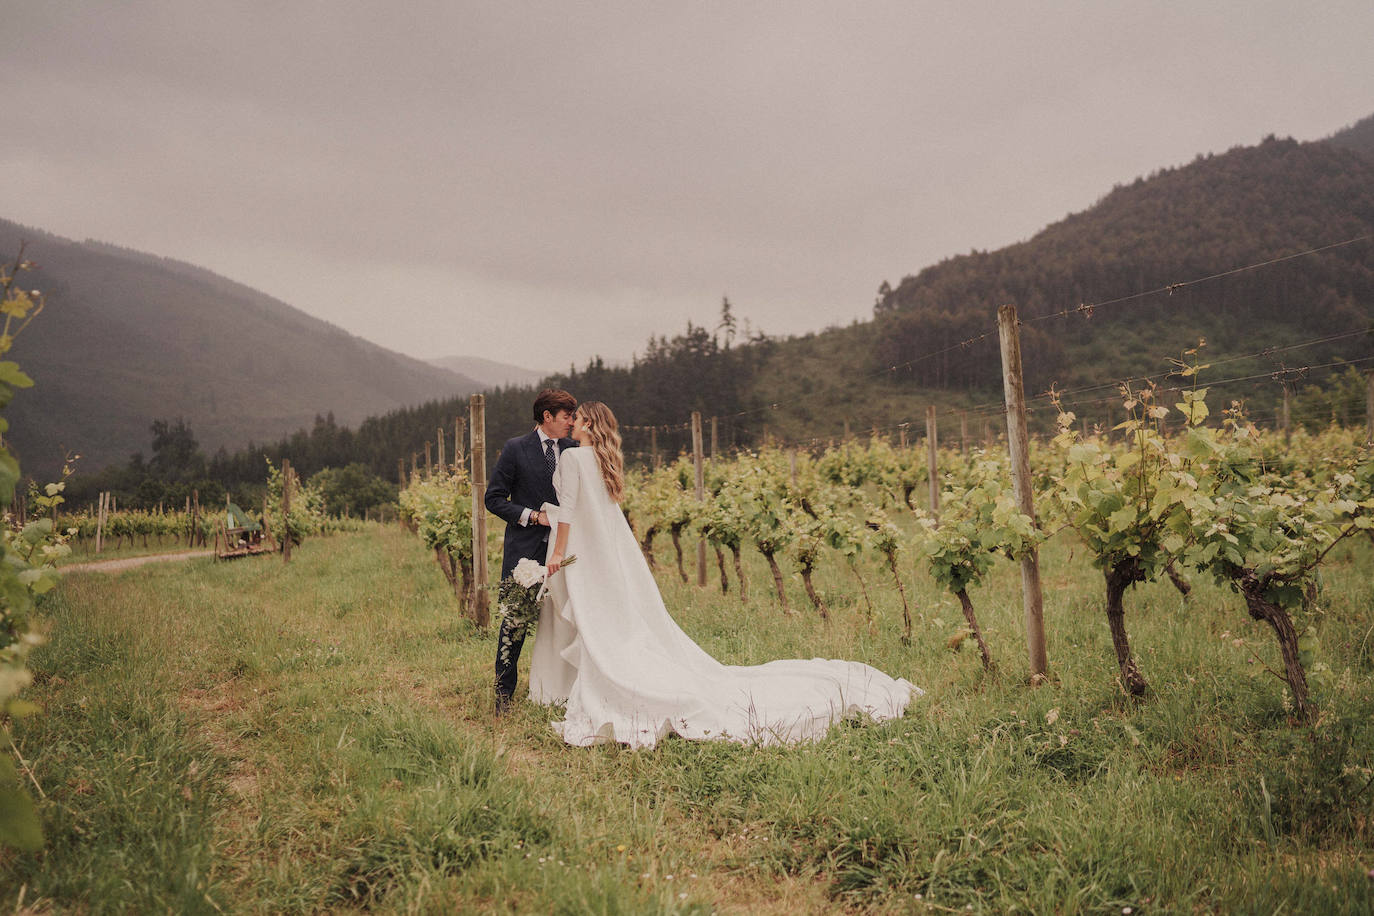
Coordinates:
<point>521,482</point>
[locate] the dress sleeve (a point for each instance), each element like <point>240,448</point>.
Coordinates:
<point>567,483</point>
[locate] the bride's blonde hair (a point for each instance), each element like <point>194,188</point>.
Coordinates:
<point>605,436</point>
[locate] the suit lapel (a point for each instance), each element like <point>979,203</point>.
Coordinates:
<point>533,453</point>
<point>540,477</point>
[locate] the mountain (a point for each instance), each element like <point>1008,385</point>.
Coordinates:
<point>127,338</point>
<point>1358,136</point>
<point>488,372</point>
<point>1135,255</point>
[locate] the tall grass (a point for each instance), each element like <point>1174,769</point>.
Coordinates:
<point>257,737</point>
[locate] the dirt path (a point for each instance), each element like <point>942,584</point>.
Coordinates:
<point>131,562</point>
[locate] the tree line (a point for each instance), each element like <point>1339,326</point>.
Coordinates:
<point>699,369</point>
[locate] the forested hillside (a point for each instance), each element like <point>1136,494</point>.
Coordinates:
<point>128,338</point>
<point>1214,215</point>
<point>1358,136</point>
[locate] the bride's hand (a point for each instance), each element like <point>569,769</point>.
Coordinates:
<point>555,562</point>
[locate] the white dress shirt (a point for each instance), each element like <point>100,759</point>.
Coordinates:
<point>543,438</point>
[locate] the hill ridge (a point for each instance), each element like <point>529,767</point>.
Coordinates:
<point>129,337</point>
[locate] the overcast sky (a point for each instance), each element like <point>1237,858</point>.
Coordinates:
<point>542,182</point>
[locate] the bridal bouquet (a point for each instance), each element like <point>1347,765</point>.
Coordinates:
<point>519,594</point>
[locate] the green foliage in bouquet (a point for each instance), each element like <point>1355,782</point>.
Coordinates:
<point>518,599</point>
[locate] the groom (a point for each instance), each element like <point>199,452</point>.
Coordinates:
<point>521,482</point>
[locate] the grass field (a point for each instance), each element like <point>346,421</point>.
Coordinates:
<point>258,737</point>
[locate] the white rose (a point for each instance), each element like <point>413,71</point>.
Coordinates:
<point>527,573</point>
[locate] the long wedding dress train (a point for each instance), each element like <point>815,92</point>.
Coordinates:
<point>607,647</point>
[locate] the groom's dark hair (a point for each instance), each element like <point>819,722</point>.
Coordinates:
<point>553,400</point>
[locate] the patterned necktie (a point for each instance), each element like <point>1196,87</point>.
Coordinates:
<point>549,457</point>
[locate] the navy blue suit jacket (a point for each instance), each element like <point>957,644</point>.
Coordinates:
<point>519,481</point>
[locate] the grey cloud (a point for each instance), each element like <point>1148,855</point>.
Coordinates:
<point>625,164</point>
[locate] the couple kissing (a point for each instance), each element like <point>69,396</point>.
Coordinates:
<point>606,648</point>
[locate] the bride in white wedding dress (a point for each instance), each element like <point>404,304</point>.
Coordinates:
<point>607,647</point>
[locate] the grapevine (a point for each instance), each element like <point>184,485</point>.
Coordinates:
<point>27,558</point>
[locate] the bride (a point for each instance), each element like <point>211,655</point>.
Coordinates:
<point>608,648</point>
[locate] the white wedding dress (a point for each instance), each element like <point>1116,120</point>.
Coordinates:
<point>607,647</point>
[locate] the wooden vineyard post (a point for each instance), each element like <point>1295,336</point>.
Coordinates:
<point>100,521</point>
<point>477,409</point>
<point>459,425</point>
<point>963,433</point>
<point>698,464</point>
<point>1018,446</point>
<point>933,461</point>
<point>715,428</point>
<point>846,429</point>
<point>653,447</point>
<point>414,466</point>
<point>443,461</point>
<point>1287,433</point>
<point>222,530</point>
<point>1369,408</point>
<point>429,463</point>
<point>286,510</point>
<point>901,435</point>
<point>267,525</point>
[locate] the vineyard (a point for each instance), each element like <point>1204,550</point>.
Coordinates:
<point>316,735</point>
<point>91,532</point>
<point>1257,512</point>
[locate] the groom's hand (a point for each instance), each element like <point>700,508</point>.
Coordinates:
<point>539,518</point>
